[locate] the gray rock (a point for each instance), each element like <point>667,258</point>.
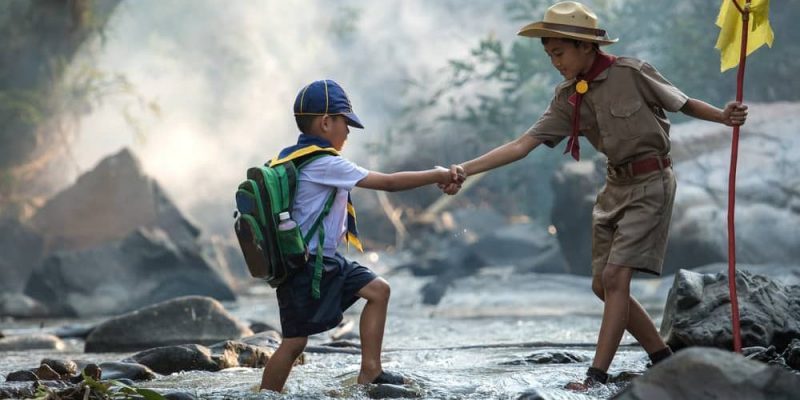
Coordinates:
<point>233,353</point>
<point>22,249</point>
<point>393,392</point>
<point>62,367</point>
<point>190,319</point>
<point>698,311</point>
<point>19,305</point>
<point>31,342</point>
<point>126,370</point>
<point>575,187</point>
<point>521,245</point>
<point>144,268</point>
<point>21,376</point>
<point>170,359</point>
<point>180,396</point>
<point>792,354</point>
<point>107,204</point>
<point>705,373</point>
<point>549,357</point>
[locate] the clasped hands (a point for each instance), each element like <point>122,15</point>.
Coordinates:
<point>453,178</point>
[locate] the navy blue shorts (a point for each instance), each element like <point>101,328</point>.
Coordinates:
<point>302,315</point>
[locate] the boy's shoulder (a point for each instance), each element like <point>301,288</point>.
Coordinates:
<point>630,62</point>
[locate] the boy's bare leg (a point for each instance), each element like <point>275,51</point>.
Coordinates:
<point>373,320</point>
<point>280,364</point>
<point>640,325</point>
<point>616,313</point>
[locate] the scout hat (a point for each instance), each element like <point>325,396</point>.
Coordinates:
<point>325,97</point>
<point>568,20</point>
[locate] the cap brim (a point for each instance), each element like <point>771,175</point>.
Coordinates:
<point>537,30</point>
<point>352,120</point>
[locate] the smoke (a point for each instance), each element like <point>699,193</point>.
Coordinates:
<point>224,76</point>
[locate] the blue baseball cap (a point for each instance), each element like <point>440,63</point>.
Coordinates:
<point>325,97</point>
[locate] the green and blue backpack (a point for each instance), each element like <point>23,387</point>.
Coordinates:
<point>268,191</point>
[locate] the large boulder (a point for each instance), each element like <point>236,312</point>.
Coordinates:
<point>144,268</point>
<point>698,311</point>
<point>107,204</point>
<point>191,319</point>
<point>20,251</point>
<point>767,199</point>
<point>703,373</point>
<point>575,187</point>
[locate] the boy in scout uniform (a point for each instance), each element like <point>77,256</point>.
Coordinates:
<point>618,104</point>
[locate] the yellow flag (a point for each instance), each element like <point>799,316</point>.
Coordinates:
<point>730,35</point>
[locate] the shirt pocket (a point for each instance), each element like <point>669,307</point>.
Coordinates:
<point>625,119</point>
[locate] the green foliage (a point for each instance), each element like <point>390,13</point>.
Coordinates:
<point>93,389</point>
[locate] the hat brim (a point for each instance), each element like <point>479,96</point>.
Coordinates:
<point>352,120</point>
<point>537,29</point>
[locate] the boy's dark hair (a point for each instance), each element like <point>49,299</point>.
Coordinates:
<point>576,42</point>
<point>304,121</point>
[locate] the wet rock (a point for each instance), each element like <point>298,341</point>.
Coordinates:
<point>765,355</point>
<point>22,249</point>
<point>179,396</point>
<point>342,344</point>
<point>232,353</point>
<point>62,367</point>
<point>22,376</point>
<point>46,373</point>
<point>19,305</point>
<point>706,373</point>
<point>549,357</point>
<point>792,354</point>
<point>259,326</point>
<point>191,319</point>
<point>171,359</point>
<point>393,392</point>
<point>697,312</point>
<point>12,391</point>
<point>31,342</point>
<point>126,370</point>
<point>74,331</point>
<point>144,268</point>
<point>267,338</point>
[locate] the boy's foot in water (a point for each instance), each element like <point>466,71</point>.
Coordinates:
<point>594,378</point>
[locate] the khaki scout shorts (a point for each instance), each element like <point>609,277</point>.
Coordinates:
<point>630,221</point>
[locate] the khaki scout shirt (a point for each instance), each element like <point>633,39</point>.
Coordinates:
<point>622,114</point>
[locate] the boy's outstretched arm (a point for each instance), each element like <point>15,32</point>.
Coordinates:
<point>735,113</point>
<point>405,180</point>
<point>499,156</point>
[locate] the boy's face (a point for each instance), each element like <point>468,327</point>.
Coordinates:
<point>569,59</point>
<point>335,129</point>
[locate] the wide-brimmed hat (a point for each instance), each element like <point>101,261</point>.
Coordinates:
<point>568,20</point>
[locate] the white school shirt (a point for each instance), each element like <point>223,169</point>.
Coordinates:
<point>315,183</point>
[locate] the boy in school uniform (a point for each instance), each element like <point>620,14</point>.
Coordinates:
<point>618,104</point>
<point>312,299</point>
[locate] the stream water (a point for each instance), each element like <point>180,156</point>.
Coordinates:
<point>470,346</point>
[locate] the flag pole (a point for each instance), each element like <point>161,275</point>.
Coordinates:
<point>737,339</point>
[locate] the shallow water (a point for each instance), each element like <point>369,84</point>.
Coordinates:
<point>455,350</point>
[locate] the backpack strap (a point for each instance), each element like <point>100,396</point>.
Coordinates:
<point>315,282</point>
